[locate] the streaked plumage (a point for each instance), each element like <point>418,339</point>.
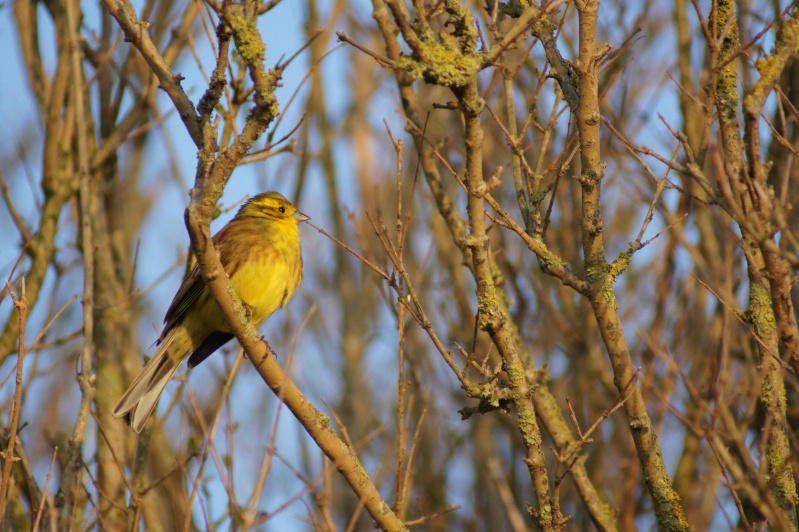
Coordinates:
<point>260,252</point>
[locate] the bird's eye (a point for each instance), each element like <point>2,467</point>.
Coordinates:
<point>282,209</point>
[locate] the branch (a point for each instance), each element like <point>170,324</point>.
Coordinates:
<point>21,304</point>
<point>601,275</point>
<point>136,33</point>
<point>212,175</point>
<point>260,353</point>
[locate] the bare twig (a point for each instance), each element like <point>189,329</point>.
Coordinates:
<point>381,60</point>
<point>136,33</point>
<point>21,304</point>
<point>71,479</point>
<point>46,492</point>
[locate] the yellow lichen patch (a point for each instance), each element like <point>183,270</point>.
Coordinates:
<point>248,40</point>
<point>463,22</point>
<point>441,65</point>
<point>761,313</point>
<point>620,265</point>
<point>772,66</point>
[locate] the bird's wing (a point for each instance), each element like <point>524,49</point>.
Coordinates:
<point>189,291</point>
<point>212,342</point>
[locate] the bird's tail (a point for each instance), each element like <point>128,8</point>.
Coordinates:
<point>141,398</point>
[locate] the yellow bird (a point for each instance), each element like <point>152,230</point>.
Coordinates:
<point>260,252</point>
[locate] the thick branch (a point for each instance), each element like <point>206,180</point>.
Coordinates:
<point>490,315</point>
<point>212,175</point>
<point>601,277</point>
<point>198,218</point>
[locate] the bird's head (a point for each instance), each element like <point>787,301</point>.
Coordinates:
<point>273,206</point>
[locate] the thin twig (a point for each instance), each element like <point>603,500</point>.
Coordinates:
<point>71,483</point>
<point>360,257</point>
<point>383,61</point>
<point>46,491</point>
<point>21,304</point>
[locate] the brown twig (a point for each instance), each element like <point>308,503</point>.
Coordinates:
<point>210,433</point>
<point>357,255</point>
<point>573,453</point>
<point>136,33</point>
<point>427,518</point>
<point>46,491</point>
<point>381,60</point>
<point>212,175</point>
<point>21,304</point>
<point>71,479</point>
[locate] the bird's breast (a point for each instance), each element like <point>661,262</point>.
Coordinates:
<point>268,279</point>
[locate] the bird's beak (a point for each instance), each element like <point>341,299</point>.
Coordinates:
<point>300,217</point>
